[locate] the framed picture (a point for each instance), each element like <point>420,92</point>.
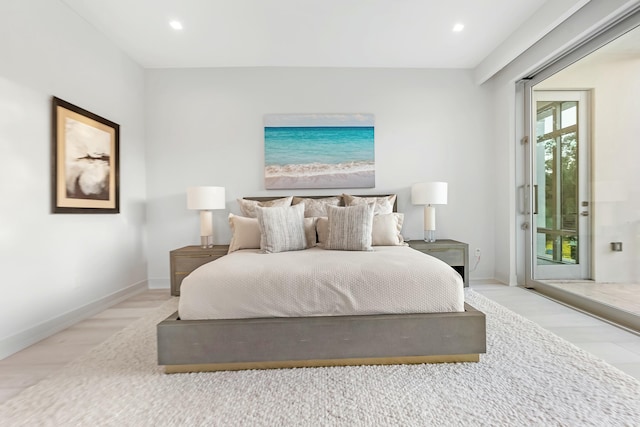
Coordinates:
<point>319,151</point>
<point>85,161</point>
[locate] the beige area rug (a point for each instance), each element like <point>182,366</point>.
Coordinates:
<point>528,377</point>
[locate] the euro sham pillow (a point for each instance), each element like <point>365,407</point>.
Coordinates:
<point>281,228</point>
<point>317,207</point>
<point>248,207</point>
<point>383,204</point>
<point>386,230</point>
<point>350,227</point>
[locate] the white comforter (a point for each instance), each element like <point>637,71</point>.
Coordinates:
<point>318,282</point>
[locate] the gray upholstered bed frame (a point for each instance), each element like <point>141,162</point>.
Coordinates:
<point>231,344</point>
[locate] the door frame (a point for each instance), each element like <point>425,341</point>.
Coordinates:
<point>583,269</point>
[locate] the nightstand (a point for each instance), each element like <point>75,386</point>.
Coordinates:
<point>454,253</point>
<point>187,259</point>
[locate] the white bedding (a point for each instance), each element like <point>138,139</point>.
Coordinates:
<point>319,282</point>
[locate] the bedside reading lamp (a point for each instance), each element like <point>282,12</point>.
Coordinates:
<point>427,194</point>
<point>205,199</point>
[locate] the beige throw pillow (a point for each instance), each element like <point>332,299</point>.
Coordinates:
<point>248,207</point>
<point>322,227</point>
<point>245,233</point>
<point>383,204</point>
<point>350,228</point>
<point>310,231</point>
<point>281,228</point>
<point>386,230</point>
<point>317,207</point>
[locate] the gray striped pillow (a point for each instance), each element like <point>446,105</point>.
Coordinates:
<point>281,228</point>
<point>350,227</point>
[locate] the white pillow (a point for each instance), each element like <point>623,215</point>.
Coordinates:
<point>386,230</point>
<point>383,205</point>
<point>248,207</point>
<point>350,228</point>
<point>282,228</point>
<point>245,233</point>
<point>317,207</point>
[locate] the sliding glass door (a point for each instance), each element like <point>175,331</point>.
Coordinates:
<point>577,174</point>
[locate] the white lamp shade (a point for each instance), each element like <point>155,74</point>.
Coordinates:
<point>205,198</point>
<point>429,193</point>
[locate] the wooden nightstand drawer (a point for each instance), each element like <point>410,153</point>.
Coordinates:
<point>186,264</point>
<point>187,259</point>
<point>450,256</point>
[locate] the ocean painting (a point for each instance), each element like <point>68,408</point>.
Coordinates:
<point>319,151</point>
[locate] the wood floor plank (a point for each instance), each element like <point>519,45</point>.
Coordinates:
<point>36,362</point>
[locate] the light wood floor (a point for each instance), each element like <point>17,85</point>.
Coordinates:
<point>31,365</point>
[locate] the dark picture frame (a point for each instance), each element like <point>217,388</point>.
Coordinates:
<point>85,161</point>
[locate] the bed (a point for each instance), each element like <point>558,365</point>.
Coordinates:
<point>387,304</point>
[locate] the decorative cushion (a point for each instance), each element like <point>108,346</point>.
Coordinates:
<point>281,228</point>
<point>317,207</point>
<point>322,227</point>
<point>383,205</point>
<point>386,230</point>
<point>245,233</point>
<point>248,207</point>
<point>350,228</point>
<point>310,231</point>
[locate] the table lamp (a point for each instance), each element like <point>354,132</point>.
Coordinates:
<point>428,194</point>
<point>205,199</point>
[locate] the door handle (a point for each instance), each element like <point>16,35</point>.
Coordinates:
<point>584,213</point>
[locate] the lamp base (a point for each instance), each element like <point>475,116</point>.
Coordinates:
<point>430,236</point>
<point>206,242</point>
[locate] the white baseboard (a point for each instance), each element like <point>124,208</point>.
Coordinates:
<point>24,339</point>
<point>159,284</point>
<point>487,281</point>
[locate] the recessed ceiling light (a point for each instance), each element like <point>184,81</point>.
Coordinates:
<point>176,25</point>
<point>458,27</point>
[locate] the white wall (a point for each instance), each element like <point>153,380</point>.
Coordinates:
<point>59,268</point>
<point>509,242</point>
<point>204,127</point>
<point>615,153</point>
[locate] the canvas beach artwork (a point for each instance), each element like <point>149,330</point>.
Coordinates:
<point>319,151</point>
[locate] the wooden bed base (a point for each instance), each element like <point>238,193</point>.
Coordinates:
<point>266,343</point>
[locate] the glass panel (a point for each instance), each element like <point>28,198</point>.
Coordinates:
<point>557,182</point>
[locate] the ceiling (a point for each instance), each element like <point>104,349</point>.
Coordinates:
<point>309,33</point>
